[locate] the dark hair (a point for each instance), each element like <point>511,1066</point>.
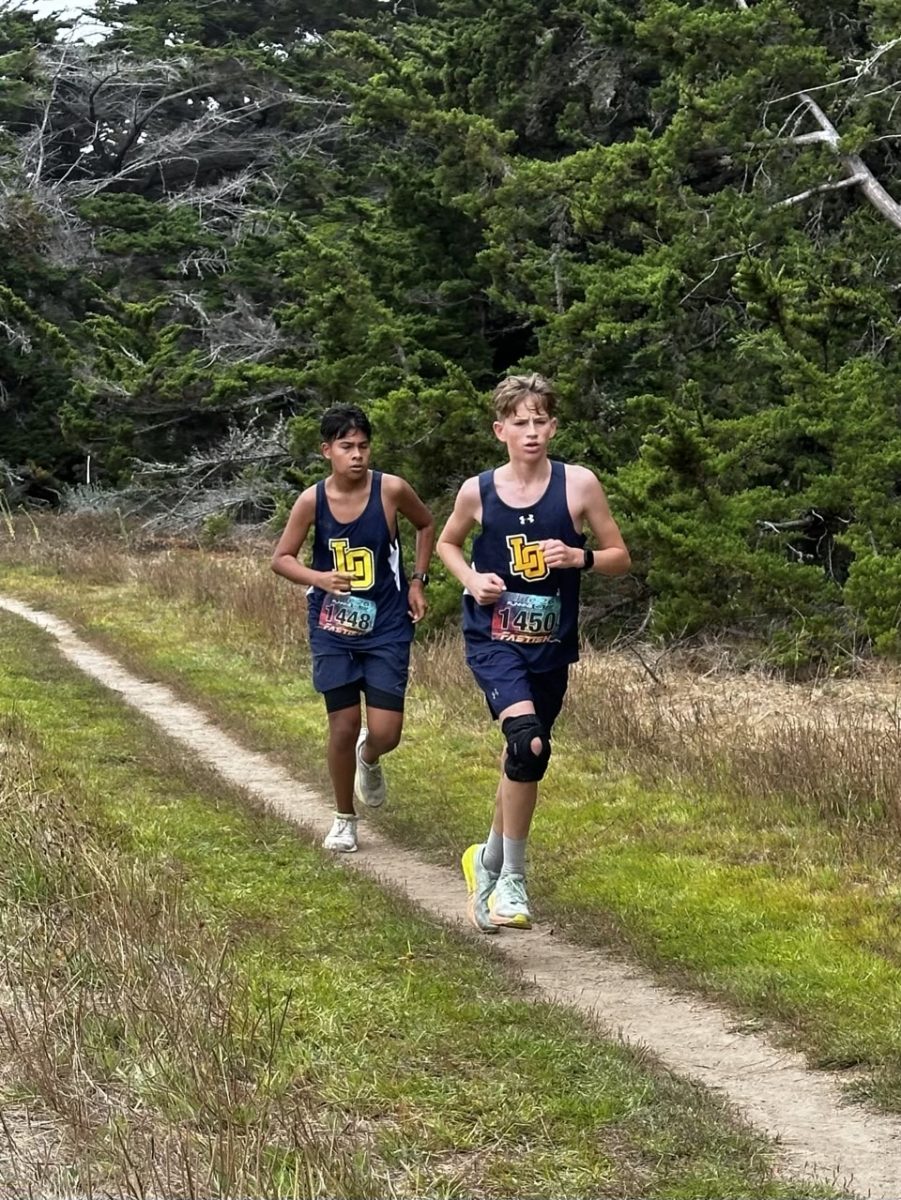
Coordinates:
<point>340,420</point>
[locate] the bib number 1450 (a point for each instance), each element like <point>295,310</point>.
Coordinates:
<point>520,617</point>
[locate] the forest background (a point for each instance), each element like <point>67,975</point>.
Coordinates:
<point>221,218</point>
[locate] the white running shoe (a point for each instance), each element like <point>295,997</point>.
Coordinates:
<point>369,781</point>
<point>509,903</point>
<point>342,837</point>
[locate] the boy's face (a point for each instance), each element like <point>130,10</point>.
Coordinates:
<point>526,431</point>
<point>348,454</point>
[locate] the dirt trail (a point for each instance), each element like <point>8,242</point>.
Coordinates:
<point>821,1136</point>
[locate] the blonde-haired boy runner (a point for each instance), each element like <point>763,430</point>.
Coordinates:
<point>520,618</point>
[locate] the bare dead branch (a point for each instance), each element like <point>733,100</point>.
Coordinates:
<point>203,263</point>
<point>864,67</point>
<point>857,169</point>
<point>834,185</point>
<point>858,174</point>
<point>16,337</point>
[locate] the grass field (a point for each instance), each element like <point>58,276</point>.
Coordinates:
<point>199,1003</point>
<point>755,862</point>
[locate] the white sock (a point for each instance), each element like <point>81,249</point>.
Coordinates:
<point>514,856</point>
<point>493,852</point>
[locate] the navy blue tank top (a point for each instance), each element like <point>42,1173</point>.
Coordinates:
<point>374,612</point>
<point>538,614</point>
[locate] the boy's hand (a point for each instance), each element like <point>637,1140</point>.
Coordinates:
<point>485,589</point>
<point>336,582</point>
<point>417,603</point>
<point>558,554</point>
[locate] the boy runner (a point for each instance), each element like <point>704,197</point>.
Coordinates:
<point>520,618</point>
<point>361,611</point>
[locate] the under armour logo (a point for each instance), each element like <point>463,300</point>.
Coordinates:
<point>494,693</point>
<point>530,518</point>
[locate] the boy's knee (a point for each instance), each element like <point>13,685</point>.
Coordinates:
<point>384,741</point>
<point>344,727</point>
<point>528,748</point>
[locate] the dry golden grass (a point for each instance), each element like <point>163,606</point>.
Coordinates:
<point>752,736</point>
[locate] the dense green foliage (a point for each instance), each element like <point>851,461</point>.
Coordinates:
<point>264,208</point>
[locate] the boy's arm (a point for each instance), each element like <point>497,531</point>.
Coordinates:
<point>420,517</point>
<point>484,589</point>
<point>284,558</point>
<point>612,556</point>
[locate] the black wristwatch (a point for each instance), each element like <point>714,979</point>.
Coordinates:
<point>422,576</point>
<point>589,560</point>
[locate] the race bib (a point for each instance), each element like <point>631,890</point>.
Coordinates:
<point>350,616</point>
<point>520,617</point>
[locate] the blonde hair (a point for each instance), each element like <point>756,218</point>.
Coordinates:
<point>515,388</point>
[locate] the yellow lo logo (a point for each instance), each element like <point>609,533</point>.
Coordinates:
<point>358,562</point>
<point>526,558</point>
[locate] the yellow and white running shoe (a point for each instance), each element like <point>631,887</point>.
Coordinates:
<point>480,883</point>
<point>509,904</point>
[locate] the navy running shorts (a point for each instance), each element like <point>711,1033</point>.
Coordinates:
<point>380,674</point>
<point>504,677</point>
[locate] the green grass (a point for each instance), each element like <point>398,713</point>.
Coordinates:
<point>401,1044</point>
<point>766,904</point>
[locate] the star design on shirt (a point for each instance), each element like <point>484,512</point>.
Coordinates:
<point>530,518</point>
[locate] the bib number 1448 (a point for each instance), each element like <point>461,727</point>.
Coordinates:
<point>351,616</point>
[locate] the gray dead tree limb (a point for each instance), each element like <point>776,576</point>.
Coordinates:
<point>224,478</point>
<point>858,174</point>
<point>240,335</point>
<point>15,336</point>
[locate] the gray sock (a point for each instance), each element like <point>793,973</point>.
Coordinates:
<point>493,852</point>
<point>514,856</point>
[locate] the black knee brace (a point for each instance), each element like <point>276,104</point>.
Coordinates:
<point>523,765</point>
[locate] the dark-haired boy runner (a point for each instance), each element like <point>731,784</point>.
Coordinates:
<point>520,618</point>
<point>361,611</point>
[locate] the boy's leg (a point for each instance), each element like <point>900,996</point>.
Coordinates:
<point>383,729</point>
<point>517,801</point>
<point>386,673</point>
<point>500,673</point>
<point>510,903</point>
<point>493,849</point>
<point>525,757</point>
<point>343,731</point>
<point>338,677</point>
